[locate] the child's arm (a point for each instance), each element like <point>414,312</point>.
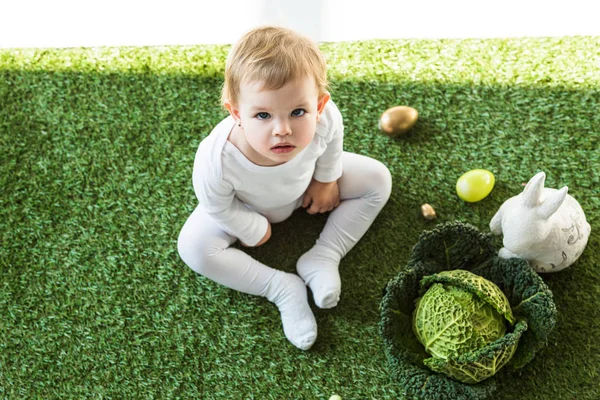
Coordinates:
<point>217,197</point>
<point>263,240</point>
<point>329,164</point>
<point>323,193</point>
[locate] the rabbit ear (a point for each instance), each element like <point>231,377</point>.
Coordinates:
<point>533,190</point>
<point>551,204</point>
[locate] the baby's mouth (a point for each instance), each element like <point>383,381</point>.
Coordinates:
<point>283,148</point>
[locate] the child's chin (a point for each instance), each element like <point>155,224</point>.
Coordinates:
<point>282,158</point>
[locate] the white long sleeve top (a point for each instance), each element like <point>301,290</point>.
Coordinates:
<point>234,191</point>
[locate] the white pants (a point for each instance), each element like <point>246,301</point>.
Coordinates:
<point>365,187</point>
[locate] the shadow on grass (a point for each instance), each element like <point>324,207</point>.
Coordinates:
<point>96,183</point>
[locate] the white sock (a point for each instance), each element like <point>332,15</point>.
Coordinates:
<point>288,292</point>
<point>319,269</point>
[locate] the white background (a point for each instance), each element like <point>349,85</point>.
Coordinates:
<point>90,23</point>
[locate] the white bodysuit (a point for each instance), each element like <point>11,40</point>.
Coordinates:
<point>238,198</point>
<point>241,196</point>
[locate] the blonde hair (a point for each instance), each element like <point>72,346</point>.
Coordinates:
<point>273,56</point>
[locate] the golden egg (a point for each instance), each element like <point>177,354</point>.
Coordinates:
<point>428,212</point>
<point>398,120</point>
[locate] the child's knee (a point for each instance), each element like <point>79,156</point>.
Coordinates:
<point>193,252</point>
<point>381,181</point>
<point>186,250</point>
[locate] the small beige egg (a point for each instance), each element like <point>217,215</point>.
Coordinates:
<point>428,212</point>
<point>398,120</point>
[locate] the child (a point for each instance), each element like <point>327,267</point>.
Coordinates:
<point>279,149</point>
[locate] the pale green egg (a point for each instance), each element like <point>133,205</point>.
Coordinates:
<point>475,185</point>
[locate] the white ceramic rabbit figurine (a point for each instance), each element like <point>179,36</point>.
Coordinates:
<point>547,227</point>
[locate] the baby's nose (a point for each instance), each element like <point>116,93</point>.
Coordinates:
<point>282,128</point>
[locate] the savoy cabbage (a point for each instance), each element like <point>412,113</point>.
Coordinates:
<point>459,246</point>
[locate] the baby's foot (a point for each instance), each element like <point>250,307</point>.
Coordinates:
<point>319,269</point>
<point>288,292</point>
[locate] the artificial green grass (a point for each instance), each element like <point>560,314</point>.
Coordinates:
<point>97,147</point>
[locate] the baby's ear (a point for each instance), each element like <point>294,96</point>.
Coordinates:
<point>233,110</point>
<point>552,203</point>
<point>322,101</point>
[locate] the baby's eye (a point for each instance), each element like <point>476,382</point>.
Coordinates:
<point>298,112</point>
<point>262,115</point>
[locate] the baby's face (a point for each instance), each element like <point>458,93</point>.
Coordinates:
<point>279,124</point>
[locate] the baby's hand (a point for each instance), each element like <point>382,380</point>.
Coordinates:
<point>263,240</point>
<point>321,197</point>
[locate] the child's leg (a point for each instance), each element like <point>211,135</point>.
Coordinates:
<point>365,187</point>
<point>204,247</point>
